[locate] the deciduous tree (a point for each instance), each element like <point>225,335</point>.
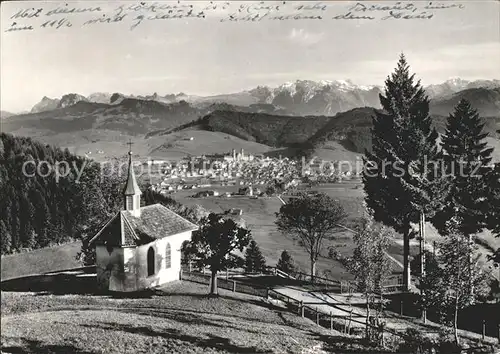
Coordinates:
<point>311,219</point>
<point>454,284</point>
<point>369,263</point>
<point>214,246</point>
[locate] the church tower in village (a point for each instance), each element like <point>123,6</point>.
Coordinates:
<point>132,193</point>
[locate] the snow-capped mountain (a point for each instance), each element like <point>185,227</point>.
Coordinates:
<point>46,104</point>
<point>99,97</point>
<point>301,97</point>
<point>306,97</point>
<point>70,100</point>
<point>454,85</point>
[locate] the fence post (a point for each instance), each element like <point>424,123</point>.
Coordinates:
<point>484,330</point>
<point>331,321</point>
<point>234,286</point>
<point>267,292</point>
<point>401,307</point>
<point>302,309</point>
<point>317,317</point>
<point>180,274</point>
<point>350,319</point>
<point>190,268</point>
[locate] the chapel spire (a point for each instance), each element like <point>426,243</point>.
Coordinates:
<point>132,192</point>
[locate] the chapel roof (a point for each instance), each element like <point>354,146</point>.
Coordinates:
<point>153,222</point>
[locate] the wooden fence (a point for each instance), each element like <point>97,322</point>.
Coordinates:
<point>393,284</point>
<point>225,283</point>
<point>349,322</point>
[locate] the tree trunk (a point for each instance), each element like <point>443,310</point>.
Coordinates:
<point>422,244</point>
<point>471,260</point>
<point>422,261</point>
<point>455,321</point>
<point>406,260</point>
<point>367,329</point>
<point>313,269</point>
<point>213,284</point>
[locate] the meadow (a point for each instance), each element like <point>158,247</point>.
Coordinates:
<point>259,217</point>
<point>179,318</point>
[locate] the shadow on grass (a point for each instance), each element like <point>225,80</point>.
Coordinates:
<point>65,283</point>
<point>212,342</point>
<point>195,316</point>
<point>347,344</point>
<point>34,346</point>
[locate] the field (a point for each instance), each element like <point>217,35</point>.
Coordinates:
<point>259,216</point>
<point>180,319</point>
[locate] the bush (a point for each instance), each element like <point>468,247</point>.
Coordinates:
<point>286,263</point>
<point>446,342</point>
<point>415,342</point>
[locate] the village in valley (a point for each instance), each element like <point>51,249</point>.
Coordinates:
<point>270,205</point>
<point>253,173</point>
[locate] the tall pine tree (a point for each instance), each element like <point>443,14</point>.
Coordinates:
<point>494,205</point>
<point>401,181</point>
<point>286,263</point>
<point>467,158</point>
<point>254,260</point>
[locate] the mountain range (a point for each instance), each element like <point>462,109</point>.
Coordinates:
<point>302,97</point>
<point>303,114</point>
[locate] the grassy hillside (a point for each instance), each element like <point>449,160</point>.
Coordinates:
<point>178,145</point>
<point>40,261</point>
<point>130,116</point>
<point>179,320</point>
<point>272,130</point>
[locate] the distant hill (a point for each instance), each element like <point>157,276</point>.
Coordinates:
<point>267,129</point>
<point>131,116</point>
<point>272,130</point>
<point>485,100</point>
<point>352,129</point>
<point>5,114</point>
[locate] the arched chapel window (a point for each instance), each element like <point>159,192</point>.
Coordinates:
<point>151,261</point>
<point>168,256</point>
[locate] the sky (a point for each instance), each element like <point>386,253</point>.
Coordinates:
<point>211,55</point>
